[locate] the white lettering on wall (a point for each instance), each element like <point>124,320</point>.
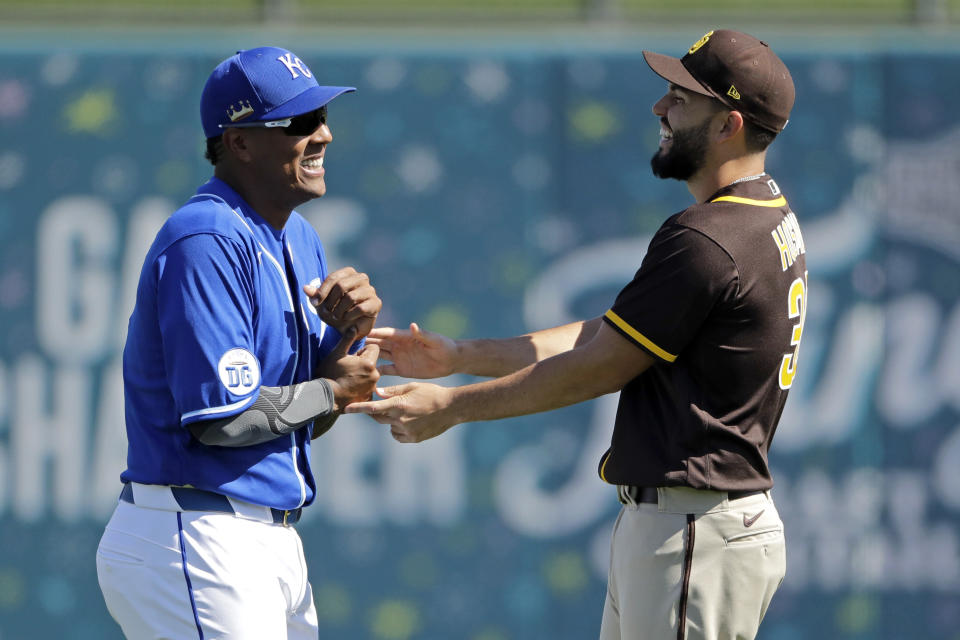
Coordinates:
<point>48,437</point>
<point>865,529</point>
<point>109,448</point>
<point>4,429</point>
<point>533,511</point>
<point>146,218</point>
<point>835,380</point>
<point>76,242</point>
<point>364,477</point>
<point>548,301</point>
<point>426,482</point>
<point>923,352</point>
<point>4,402</point>
<point>948,365</point>
<point>343,461</point>
<point>945,475</point>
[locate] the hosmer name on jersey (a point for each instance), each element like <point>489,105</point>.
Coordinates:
<point>789,241</point>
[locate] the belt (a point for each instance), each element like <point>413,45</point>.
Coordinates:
<point>630,494</point>
<point>190,499</point>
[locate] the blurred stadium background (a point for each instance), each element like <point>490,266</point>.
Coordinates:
<point>491,175</point>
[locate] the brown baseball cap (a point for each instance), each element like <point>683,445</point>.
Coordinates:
<point>738,70</point>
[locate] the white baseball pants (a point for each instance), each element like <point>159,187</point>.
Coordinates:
<point>194,574</point>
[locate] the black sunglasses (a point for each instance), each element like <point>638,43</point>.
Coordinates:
<point>303,125</point>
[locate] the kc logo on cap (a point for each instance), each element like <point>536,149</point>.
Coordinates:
<point>294,64</point>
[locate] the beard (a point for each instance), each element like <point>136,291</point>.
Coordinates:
<point>687,154</point>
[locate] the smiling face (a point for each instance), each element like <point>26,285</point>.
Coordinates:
<point>291,166</point>
<point>685,124</point>
<point>273,171</point>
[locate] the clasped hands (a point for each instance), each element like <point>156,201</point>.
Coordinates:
<point>415,411</point>
<point>346,301</point>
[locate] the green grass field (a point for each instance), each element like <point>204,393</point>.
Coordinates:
<point>527,11</point>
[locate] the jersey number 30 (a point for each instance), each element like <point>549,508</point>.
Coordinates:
<point>796,308</point>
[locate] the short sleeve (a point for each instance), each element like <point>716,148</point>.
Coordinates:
<point>205,310</point>
<point>681,279</point>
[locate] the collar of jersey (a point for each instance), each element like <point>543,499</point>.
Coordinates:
<point>777,202</point>
<point>217,187</point>
<point>739,193</point>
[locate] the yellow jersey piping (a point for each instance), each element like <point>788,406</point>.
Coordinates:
<point>779,202</point>
<point>639,337</point>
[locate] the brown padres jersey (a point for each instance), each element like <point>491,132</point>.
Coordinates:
<point>719,301</point>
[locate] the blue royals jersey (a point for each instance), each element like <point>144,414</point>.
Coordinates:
<point>220,311</point>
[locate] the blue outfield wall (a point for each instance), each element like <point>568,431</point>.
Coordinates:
<point>490,192</point>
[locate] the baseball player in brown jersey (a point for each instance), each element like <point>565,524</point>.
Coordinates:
<point>703,345</point>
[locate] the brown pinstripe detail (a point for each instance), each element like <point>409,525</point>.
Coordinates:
<point>687,570</point>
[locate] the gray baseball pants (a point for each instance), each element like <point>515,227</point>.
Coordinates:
<point>694,565</point>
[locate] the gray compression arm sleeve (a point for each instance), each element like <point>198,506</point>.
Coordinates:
<point>277,412</point>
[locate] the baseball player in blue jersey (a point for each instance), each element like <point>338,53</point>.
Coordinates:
<point>241,349</point>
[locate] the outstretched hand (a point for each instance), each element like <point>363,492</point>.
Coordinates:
<point>415,411</point>
<point>352,377</point>
<point>414,353</point>
<point>346,299</point>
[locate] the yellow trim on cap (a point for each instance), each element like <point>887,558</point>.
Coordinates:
<point>779,202</point>
<point>639,337</point>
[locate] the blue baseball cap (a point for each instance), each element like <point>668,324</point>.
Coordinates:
<point>257,85</point>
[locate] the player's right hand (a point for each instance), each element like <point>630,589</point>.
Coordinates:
<point>415,411</point>
<point>414,353</point>
<point>352,377</point>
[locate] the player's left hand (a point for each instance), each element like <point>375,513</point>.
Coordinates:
<point>415,411</point>
<point>346,299</point>
<point>351,377</point>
